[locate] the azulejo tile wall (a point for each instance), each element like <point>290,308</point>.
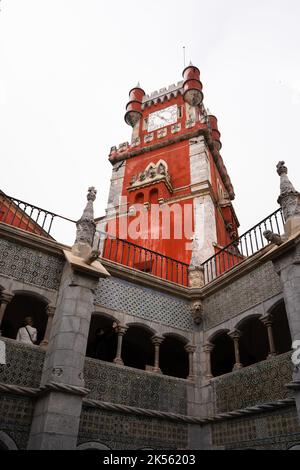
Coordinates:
<point>23,366</point>
<point>15,418</point>
<point>242,294</point>
<point>123,432</point>
<point>144,302</point>
<point>263,382</point>
<point>29,265</point>
<point>275,430</point>
<point>111,383</point>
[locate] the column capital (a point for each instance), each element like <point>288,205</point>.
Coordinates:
<point>157,340</point>
<point>267,320</point>
<point>6,297</point>
<point>234,334</point>
<point>190,348</point>
<point>121,329</point>
<point>50,310</point>
<point>208,347</point>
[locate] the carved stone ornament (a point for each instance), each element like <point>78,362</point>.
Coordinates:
<point>197,311</point>
<point>273,237</point>
<point>86,225</point>
<point>154,173</point>
<point>289,198</point>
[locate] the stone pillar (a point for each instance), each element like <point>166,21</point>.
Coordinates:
<point>57,410</point>
<point>5,299</point>
<point>121,330</point>
<point>190,349</point>
<point>268,322</point>
<point>50,312</point>
<point>207,348</point>
<point>288,266</point>
<point>156,340</point>
<point>235,335</point>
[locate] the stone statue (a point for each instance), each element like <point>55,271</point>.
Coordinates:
<point>273,237</point>
<point>289,198</point>
<point>197,311</point>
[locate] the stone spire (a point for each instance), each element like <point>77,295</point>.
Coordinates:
<point>289,199</point>
<point>86,227</point>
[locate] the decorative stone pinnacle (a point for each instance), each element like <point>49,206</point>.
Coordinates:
<point>86,227</point>
<point>289,198</point>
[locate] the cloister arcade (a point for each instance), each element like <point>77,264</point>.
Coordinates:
<point>253,339</point>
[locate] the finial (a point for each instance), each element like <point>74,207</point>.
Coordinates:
<point>138,85</point>
<point>86,227</point>
<point>281,168</point>
<point>289,198</point>
<point>190,64</point>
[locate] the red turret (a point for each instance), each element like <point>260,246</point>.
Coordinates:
<point>215,132</point>
<point>134,106</point>
<point>192,87</point>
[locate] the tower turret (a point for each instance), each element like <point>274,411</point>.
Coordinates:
<point>215,131</point>
<point>134,106</point>
<point>192,87</point>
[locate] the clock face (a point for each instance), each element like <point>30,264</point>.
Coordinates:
<point>163,117</point>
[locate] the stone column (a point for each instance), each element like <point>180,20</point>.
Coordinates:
<point>156,340</point>
<point>207,348</point>
<point>288,265</point>
<point>50,312</point>
<point>268,322</point>
<point>190,349</point>
<point>57,411</point>
<point>121,330</point>
<point>5,299</point>
<point>235,335</point>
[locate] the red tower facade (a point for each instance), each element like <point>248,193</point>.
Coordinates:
<point>170,191</point>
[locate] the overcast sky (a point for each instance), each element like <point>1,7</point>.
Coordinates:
<point>66,67</point>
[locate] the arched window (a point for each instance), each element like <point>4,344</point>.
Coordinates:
<point>222,355</point>
<point>139,198</point>
<point>102,339</point>
<point>174,359</point>
<point>153,196</point>
<point>138,349</point>
<point>21,306</point>
<point>253,344</point>
<point>281,329</point>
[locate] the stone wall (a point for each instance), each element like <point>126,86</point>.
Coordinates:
<point>15,418</point>
<point>119,431</point>
<point>241,294</point>
<point>112,383</point>
<point>29,265</point>
<point>144,302</point>
<point>274,430</point>
<point>263,382</point>
<point>24,364</point>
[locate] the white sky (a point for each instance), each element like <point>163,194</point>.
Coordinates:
<point>66,67</point>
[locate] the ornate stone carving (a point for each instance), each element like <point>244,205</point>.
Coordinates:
<point>289,198</point>
<point>197,311</point>
<point>92,257</point>
<point>153,173</point>
<point>273,237</point>
<point>86,227</point>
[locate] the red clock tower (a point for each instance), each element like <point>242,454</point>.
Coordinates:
<point>170,191</point>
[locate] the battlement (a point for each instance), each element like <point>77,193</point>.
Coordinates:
<point>160,95</point>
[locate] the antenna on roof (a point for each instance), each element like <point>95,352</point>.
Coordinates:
<point>183,57</point>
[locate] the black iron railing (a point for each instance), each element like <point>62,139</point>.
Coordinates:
<point>244,246</point>
<point>145,260</point>
<point>28,217</point>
